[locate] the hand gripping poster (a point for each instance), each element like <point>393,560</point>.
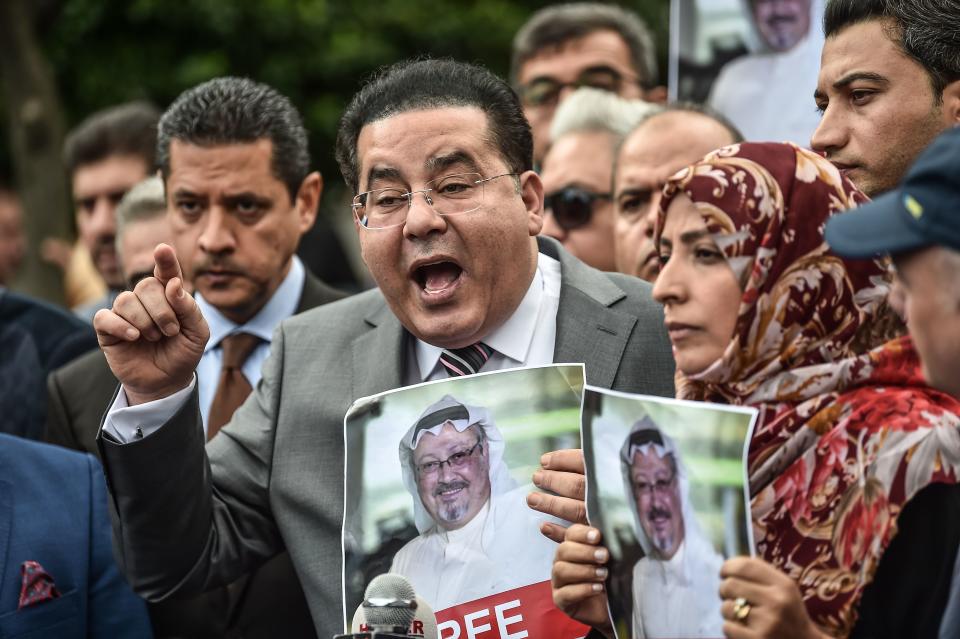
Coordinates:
<point>666,487</point>
<point>437,477</point>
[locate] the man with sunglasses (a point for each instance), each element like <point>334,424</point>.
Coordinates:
<point>447,212</point>
<point>477,536</point>
<point>564,47</point>
<point>578,205</point>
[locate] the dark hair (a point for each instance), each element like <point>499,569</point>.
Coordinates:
<point>126,129</point>
<point>554,25</point>
<point>925,30</point>
<point>431,84</point>
<point>233,110</point>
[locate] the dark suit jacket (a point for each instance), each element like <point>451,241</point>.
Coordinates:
<point>273,477</point>
<point>35,338</point>
<point>53,510</point>
<point>268,604</point>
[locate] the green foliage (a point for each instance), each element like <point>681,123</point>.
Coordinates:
<point>315,51</point>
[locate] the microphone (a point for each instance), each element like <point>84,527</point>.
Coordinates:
<point>392,610</point>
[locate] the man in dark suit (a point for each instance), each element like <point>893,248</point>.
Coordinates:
<point>447,212</point>
<point>57,574</point>
<point>238,197</point>
<point>35,338</point>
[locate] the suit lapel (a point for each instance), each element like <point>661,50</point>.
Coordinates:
<point>315,293</point>
<point>378,357</point>
<point>588,330</point>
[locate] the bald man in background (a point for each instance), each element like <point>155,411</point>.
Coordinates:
<point>658,147</point>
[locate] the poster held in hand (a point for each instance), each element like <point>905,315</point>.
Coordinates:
<point>666,487</point>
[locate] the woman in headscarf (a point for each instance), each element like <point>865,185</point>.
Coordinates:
<point>850,444</point>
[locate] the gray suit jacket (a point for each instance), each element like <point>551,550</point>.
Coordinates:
<point>274,476</point>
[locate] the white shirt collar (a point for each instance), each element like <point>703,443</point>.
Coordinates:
<point>513,338</point>
<point>282,305</point>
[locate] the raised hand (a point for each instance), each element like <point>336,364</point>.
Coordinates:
<point>154,336</point>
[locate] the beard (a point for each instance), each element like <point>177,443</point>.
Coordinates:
<point>452,512</point>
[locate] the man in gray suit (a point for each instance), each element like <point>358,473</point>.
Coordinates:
<point>447,213</point>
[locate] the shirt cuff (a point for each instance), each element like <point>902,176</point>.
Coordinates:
<point>129,423</point>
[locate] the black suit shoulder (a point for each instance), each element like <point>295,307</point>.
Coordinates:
<point>79,394</point>
<point>316,292</point>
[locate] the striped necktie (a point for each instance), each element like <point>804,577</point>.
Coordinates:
<point>467,360</point>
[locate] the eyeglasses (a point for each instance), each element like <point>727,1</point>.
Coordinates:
<point>545,91</point>
<point>572,207</point>
<point>449,195</point>
<point>659,487</point>
<point>456,460</point>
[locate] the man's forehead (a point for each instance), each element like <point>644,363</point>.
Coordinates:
<point>649,461</point>
<point>565,60</point>
<point>447,436</point>
<point>864,48</point>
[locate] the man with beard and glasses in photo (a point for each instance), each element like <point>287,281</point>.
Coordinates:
<point>889,84</point>
<point>662,144</point>
<point>105,155</point>
<point>764,93</point>
<point>447,210</point>
<point>477,535</point>
<point>578,204</point>
<point>677,581</point>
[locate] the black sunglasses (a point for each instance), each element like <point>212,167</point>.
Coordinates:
<point>572,207</point>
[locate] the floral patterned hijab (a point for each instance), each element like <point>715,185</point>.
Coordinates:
<point>845,437</point>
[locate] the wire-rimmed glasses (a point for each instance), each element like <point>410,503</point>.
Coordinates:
<point>447,195</point>
<point>456,460</point>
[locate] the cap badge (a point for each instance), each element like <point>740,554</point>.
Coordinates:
<point>913,207</point>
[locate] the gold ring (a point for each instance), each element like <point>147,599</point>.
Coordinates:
<point>741,609</point>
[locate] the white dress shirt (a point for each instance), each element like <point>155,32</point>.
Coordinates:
<point>123,420</point>
<point>527,338</point>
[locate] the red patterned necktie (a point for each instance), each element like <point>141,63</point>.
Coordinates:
<point>467,360</point>
<point>37,585</point>
<point>233,387</point>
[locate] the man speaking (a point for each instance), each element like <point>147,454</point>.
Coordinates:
<point>477,537</point>
<point>447,210</point>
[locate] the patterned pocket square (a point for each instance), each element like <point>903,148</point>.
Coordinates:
<point>37,585</point>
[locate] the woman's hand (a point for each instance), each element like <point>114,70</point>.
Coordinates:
<point>578,576</point>
<point>769,606</point>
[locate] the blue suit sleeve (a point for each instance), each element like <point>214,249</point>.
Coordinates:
<point>114,610</point>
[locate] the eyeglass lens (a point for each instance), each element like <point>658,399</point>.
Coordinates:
<point>543,91</point>
<point>571,207</point>
<point>448,195</point>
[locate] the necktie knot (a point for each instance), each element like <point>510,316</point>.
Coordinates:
<point>236,349</point>
<point>467,360</point>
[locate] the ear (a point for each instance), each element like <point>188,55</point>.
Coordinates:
<point>531,192</point>
<point>656,95</point>
<point>951,103</point>
<point>308,199</point>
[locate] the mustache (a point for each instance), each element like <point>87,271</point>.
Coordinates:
<point>445,486</point>
<point>781,18</point>
<point>104,241</point>
<point>655,512</point>
<point>218,264</point>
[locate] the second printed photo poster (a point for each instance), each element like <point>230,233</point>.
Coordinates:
<point>666,486</point>
<point>437,477</point>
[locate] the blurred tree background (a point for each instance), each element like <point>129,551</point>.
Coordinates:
<point>317,52</point>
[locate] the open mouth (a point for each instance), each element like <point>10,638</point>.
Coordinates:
<point>438,280</point>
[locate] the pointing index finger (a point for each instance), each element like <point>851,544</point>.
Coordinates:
<point>167,266</point>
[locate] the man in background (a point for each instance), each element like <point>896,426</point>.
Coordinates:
<point>566,46</point>
<point>578,203</point>
<point>889,84</point>
<point>662,144</point>
<point>105,155</point>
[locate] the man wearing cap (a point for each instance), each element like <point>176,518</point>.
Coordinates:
<point>919,226</point>
<point>477,535</point>
<point>676,583</point>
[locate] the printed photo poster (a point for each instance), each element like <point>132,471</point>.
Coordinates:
<point>666,486</point>
<point>754,61</point>
<point>436,482</point>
